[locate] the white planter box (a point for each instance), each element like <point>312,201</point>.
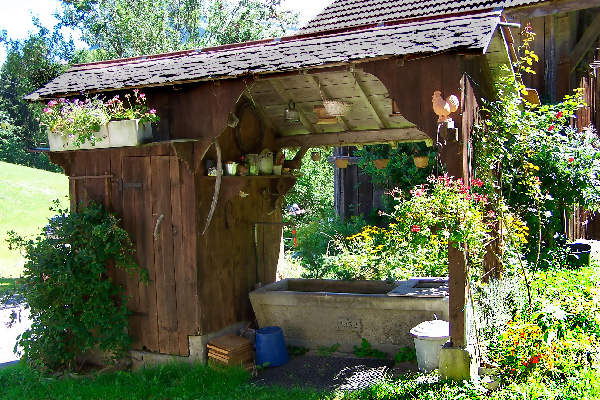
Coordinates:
<point>115,134</point>
<point>59,142</point>
<point>129,133</point>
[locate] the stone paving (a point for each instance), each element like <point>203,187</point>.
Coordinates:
<point>8,336</point>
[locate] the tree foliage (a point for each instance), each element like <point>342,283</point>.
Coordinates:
<point>127,28</point>
<point>30,63</point>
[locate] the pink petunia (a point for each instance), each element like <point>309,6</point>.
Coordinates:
<point>142,96</point>
<point>153,111</point>
<point>477,182</point>
<point>47,110</point>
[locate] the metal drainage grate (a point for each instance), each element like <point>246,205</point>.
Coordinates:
<point>326,373</point>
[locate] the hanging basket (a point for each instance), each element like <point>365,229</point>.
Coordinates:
<point>337,108</point>
<point>421,161</point>
<point>315,156</point>
<point>381,163</point>
<point>341,162</point>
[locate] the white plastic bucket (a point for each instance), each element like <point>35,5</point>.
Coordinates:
<point>430,336</point>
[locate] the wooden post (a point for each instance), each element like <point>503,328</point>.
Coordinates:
<point>457,290</point>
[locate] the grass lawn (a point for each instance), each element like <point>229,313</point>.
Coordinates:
<point>26,195</point>
<point>184,381</point>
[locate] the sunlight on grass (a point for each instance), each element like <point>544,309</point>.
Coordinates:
<point>26,195</point>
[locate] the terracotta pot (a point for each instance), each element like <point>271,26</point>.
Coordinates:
<point>381,163</point>
<point>341,162</point>
<point>421,161</point>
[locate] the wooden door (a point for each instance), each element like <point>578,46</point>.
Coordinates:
<point>152,214</point>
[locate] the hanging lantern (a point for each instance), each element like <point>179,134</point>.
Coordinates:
<point>291,114</point>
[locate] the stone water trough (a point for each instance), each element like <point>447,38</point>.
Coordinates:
<point>315,312</point>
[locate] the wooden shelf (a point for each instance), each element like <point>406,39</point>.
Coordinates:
<point>285,176</point>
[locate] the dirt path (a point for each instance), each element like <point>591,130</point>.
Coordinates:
<point>8,336</point>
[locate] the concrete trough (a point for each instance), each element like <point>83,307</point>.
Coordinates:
<point>314,312</point>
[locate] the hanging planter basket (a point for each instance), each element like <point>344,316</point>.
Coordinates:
<point>381,163</point>
<point>421,161</point>
<point>341,162</point>
<point>337,108</point>
<point>315,156</point>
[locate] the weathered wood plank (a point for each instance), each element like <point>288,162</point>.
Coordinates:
<point>179,265</point>
<point>132,199</point>
<point>162,223</point>
<point>587,40</point>
<point>353,137</point>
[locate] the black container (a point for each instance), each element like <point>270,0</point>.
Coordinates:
<point>579,254</point>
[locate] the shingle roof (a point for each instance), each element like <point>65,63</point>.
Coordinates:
<point>343,14</point>
<point>468,32</point>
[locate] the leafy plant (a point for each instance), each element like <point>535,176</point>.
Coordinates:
<point>297,350</point>
<point>420,228</point>
<point>365,350</point>
<point>325,351</point>
<point>401,171</point>
<point>538,164</point>
<point>74,306</point>
<point>406,354</point>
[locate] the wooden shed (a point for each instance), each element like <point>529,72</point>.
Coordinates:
<point>567,43</point>
<point>202,272</point>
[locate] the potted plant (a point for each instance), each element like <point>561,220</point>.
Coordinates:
<point>95,123</point>
<point>341,162</point>
<point>420,157</point>
<point>130,124</point>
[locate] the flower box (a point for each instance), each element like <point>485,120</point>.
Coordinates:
<point>58,142</point>
<point>129,132</point>
<point>115,134</point>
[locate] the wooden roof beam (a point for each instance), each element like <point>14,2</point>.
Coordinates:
<point>361,93</point>
<point>586,41</point>
<point>349,138</point>
<point>285,95</point>
<point>548,8</point>
<point>315,82</point>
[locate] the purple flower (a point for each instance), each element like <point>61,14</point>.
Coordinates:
<point>153,111</point>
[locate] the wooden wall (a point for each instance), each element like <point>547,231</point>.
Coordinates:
<point>199,283</point>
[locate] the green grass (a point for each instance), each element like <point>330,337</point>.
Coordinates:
<point>184,381</point>
<point>171,381</point>
<point>26,195</point>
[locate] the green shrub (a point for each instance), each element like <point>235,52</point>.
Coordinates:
<point>74,306</point>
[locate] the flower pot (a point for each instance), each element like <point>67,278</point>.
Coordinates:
<point>59,142</point>
<point>381,163</point>
<point>421,161</point>
<point>341,162</point>
<point>315,155</point>
<point>129,132</point>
